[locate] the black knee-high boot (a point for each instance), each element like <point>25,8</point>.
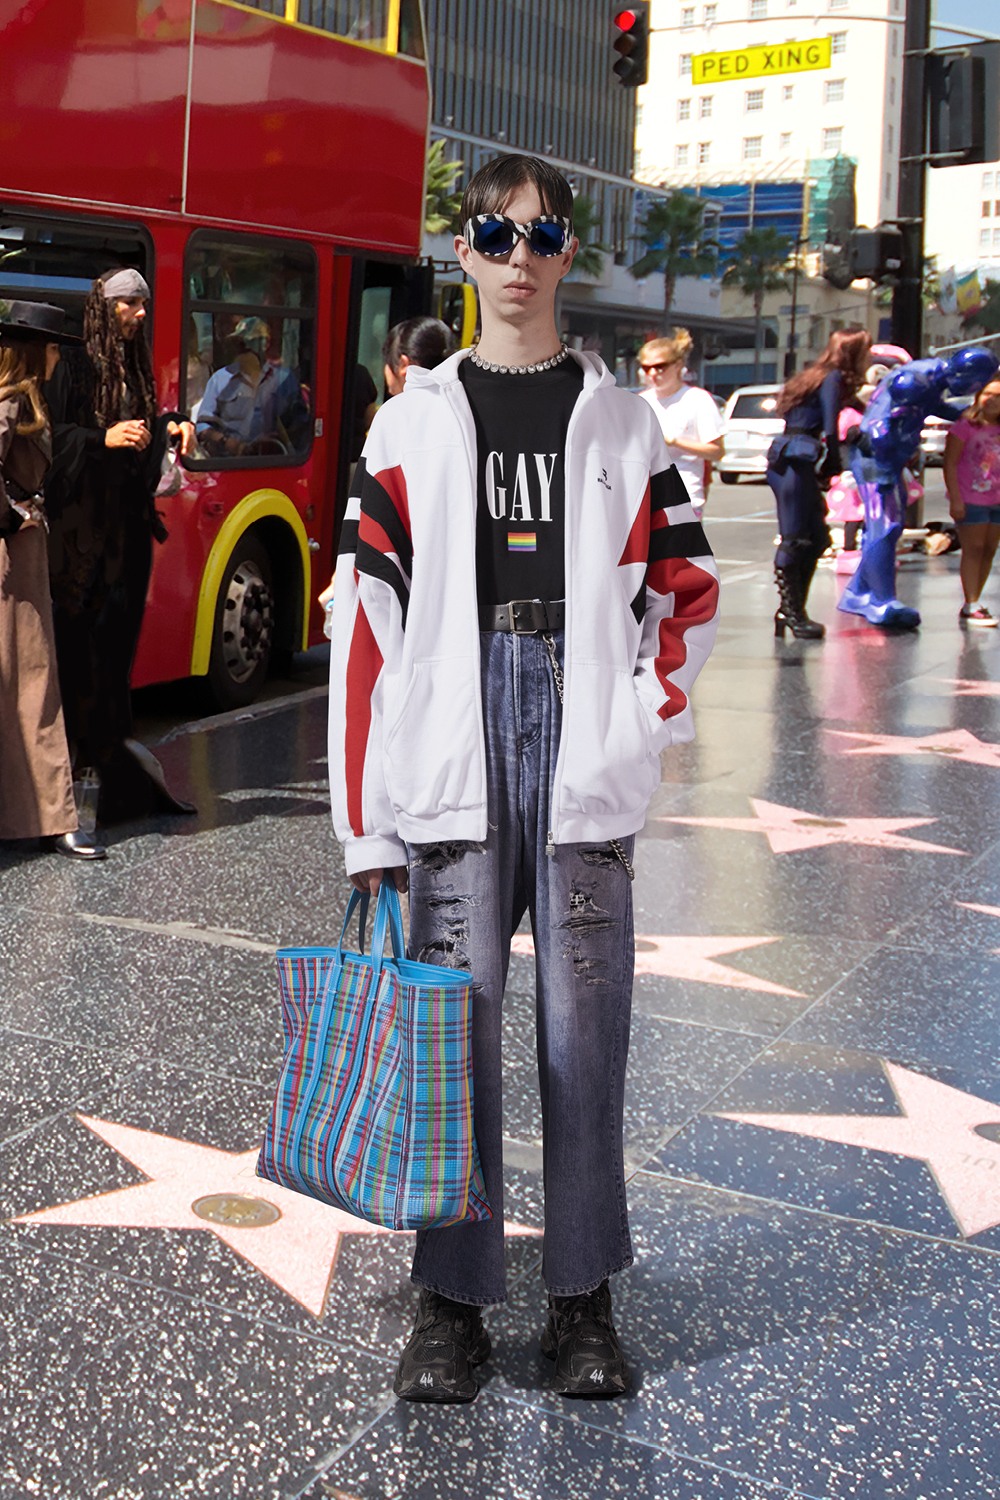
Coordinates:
<point>791,613</point>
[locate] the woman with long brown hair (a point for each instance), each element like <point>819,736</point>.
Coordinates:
<point>810,403</point>
<point>36,784</point>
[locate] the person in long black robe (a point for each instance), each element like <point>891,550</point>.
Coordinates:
<point>100,499</point>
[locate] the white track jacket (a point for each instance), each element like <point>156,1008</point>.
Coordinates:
<point>407,748</point>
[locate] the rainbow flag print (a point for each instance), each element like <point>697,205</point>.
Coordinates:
<point>521,541</point>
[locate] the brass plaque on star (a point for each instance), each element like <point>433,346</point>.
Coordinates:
<point>236,1210</point>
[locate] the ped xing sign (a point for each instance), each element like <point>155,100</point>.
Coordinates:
<point>762,62</point>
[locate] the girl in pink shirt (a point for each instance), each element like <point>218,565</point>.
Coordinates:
<point>972,476</point>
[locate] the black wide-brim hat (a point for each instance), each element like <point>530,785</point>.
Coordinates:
<point>37,322</point>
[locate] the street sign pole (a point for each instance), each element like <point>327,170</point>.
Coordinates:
<point>907,301</point>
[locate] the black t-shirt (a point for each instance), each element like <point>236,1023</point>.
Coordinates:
<point>521,423</point>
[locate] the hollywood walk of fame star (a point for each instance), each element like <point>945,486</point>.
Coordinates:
<point>972,687</point>
<point>790,828</point>
<point>989,911</point>
<point>956,1134</point>
<point>688,958</point>
<point>297,1250</point>
<point>949,744</point>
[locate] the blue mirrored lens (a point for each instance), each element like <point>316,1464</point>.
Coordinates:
<point>548,239</point>
<point>493,238</point>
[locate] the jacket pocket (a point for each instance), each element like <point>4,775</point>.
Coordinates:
<point>610,767</point>
<point>432,747</point>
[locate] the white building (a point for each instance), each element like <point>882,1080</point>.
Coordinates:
<point>773,128</point>
<point>963,218</point>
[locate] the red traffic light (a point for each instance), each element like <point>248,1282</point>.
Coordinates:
<point>625,20</point>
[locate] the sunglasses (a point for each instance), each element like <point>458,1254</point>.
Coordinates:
<point>494,235</point>
<point>653,369</point>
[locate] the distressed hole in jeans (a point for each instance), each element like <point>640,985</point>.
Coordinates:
<point>585,968</point>
<point>447,950</point>
<point>584,915</point>
<point>604,858</point>
<point>438,903</point>
<point>438,857</point>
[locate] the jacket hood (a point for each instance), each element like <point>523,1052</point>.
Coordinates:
<point>595,371</point>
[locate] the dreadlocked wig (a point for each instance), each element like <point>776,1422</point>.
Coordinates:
<point>117,361</point>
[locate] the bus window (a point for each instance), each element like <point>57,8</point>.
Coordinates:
<point>358,20</point>
<point>251,329</point>
<point>48,260</point>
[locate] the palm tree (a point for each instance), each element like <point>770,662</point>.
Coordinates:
<point>757,266</point>
<point>586,226</point>
<point>677,244</point>
<point>442,203</point>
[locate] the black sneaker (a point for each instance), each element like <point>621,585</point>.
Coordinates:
<point>581,1338</point>
<point>448,1339</point>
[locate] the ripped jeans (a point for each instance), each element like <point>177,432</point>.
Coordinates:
<point>466,902</point>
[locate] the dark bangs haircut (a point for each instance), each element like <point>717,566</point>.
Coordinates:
<point>489,189</point>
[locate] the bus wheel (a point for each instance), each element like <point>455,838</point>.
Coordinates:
<point>243,634</point>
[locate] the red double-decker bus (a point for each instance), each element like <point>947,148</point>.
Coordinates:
<point>262,165</point>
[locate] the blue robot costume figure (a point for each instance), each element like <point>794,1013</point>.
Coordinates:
<point>806,453</point>
<point>889,437</point>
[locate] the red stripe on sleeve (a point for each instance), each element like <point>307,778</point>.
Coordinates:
<point>394,484</point>
<point>696,598</point>
<point>364,663</point>
<point>371,532</point>
<point>637,546</point>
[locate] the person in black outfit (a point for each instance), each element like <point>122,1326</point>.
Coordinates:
<point>108,443</point>
<point>416,341</point>
<point>810,403</point>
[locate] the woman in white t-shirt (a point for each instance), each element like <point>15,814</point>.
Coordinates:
<point>691,422</point>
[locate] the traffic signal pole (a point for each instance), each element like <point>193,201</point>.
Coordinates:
<point>907,301</point>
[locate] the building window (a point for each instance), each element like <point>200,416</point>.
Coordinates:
<point>888,184</point>
<point>838,40</point>
<point>892,90</point>
<point>685,64</point>
<point>638,116</point>
<point>986,209</point>
<point>987,179</point>
<point>704,152</point>
<point>709,14</point>
<point>890,137</point>
<point>996,239</point>
<point>684,109</point>
<point>895,42</point>
<point>996,208</point>
<point>758,10</point>
<point>681,156</point>
<point>705,107</point>
<point>787,92</point>
<point>786,140</point>
<point>895,5</point>
<point>753,100</point>
<point>752,147</point>
<point>984,239</point>
<point>838,4</point>
<point>687,17</point>
<point>833,138</point>
<point>833,91</point>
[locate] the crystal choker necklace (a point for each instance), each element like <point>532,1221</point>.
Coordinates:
<point>545,364</point>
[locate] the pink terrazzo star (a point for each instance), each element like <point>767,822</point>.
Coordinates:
<point>949,744</point>
<point>971,687</point>
<point>938,1125</point>
<point>298,1252</point>
<point>989,911</point>
<point>688,958</point>
<point>790,828</point>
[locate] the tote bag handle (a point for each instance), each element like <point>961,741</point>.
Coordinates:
<point>388,918</point>
<point>358,898</point>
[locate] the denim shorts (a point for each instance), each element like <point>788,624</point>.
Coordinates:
<point>981,515</point>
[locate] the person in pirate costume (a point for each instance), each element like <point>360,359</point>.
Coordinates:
<point>109,439</point>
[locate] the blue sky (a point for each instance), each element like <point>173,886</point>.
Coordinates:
<point>966,13</point>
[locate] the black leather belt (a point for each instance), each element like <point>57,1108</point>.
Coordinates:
<point>523,616</point>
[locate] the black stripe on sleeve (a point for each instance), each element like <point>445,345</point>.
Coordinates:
<point>375,502</point>
<point>638,605</point>
<point>348,539</point>
<point>360,471</point>
<point>667,489</point>
<point>687,539</point>
<point>375,564</point>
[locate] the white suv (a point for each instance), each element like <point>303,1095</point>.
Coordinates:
<point>751,423</point>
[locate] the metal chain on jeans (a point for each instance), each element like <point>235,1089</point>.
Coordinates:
<point>557,673</point>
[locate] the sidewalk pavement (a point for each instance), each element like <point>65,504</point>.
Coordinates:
<point>812,1126</point>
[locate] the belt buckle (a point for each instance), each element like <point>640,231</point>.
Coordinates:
<point>512,605</point>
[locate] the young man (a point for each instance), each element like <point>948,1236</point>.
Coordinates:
<point>523,601</point>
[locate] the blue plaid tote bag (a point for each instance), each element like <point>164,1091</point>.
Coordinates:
<point>373,1110</point>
